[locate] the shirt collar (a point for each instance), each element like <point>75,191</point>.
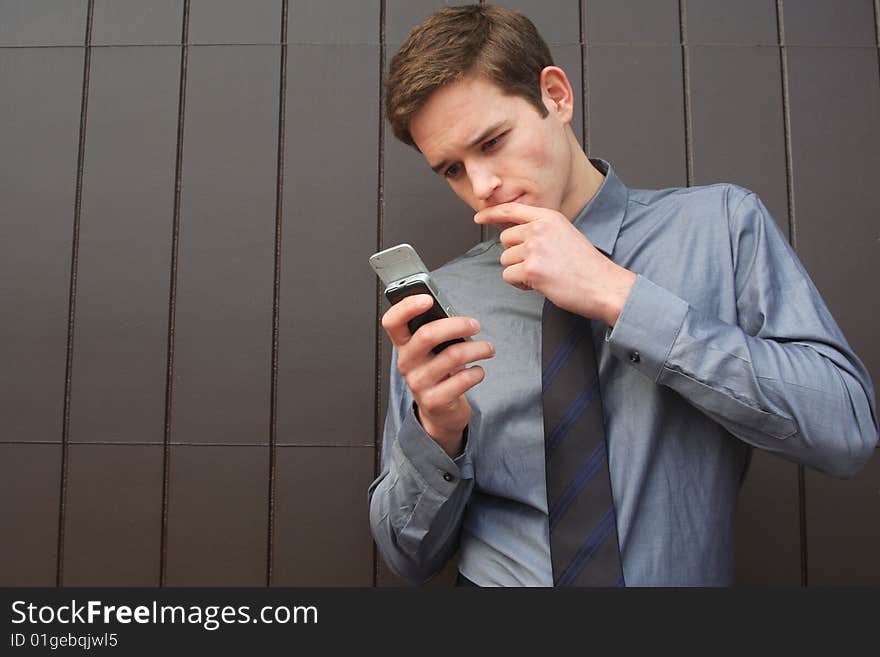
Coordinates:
<point>601,217</point>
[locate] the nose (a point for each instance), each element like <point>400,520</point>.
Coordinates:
<point>484,181</point>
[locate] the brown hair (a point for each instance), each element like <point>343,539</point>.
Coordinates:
<point>499,43</point>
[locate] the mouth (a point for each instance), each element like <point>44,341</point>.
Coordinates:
<point>517,199</point>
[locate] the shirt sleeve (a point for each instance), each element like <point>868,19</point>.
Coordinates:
<point>783,378</point>
<point>418,500</point>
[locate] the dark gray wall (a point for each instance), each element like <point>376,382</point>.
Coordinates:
<point>194,380</point>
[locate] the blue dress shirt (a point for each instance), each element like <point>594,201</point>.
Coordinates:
<point>724,344</point>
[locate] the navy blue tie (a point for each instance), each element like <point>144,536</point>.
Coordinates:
<point>583,527</point>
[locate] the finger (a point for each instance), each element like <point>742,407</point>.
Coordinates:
<point>508,213</point>
<point>395,319</point>
<point>517,276</point>
<point>450,361</point>
<point>442,396</point>
<point>436,369</point>
<point>516,234</point>
<point>513,255</point>
<point>442,330</point>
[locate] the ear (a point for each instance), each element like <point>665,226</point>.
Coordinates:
<point>557,93</point>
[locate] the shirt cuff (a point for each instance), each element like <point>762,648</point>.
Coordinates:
<point>647,327</point>
<point>428,459</point>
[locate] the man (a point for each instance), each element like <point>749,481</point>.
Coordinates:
<point>709,337</point>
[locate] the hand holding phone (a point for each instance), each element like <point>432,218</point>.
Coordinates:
<point>404,275</point>
<point>437,375</point>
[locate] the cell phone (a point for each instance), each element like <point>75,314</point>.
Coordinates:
<point>402,271</point>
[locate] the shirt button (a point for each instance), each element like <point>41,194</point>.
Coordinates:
<point>635,357</point>
<point>447,476</point>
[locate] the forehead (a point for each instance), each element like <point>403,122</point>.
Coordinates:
<point>457,113</point>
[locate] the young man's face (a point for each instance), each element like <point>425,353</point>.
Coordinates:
<point>495,148</point>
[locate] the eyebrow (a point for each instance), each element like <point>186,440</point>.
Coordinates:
<point>438,168</point>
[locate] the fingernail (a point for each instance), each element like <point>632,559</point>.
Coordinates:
<point>491,348</point>
<point>475,325</point>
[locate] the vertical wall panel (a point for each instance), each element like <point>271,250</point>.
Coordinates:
<point>635,93</point>
<point>121,334</point>
<point>113,515</point>
<point>635,21</point>
<point>226,250</point>
<point>835,102</point>
<point>44,23</point>
<point>217,516</point>
<point>829,22</point>
<point>637,113</point>
<point>322,530</point>
<point>30,477</point>
<point>738,132</point>
<point>122,22</point>
<point>327,375</point>
<point>39,133</point>
<point>333,21</point>
<point>327,339</point>
<point>843,533</point>
<point>233,21</point>
<point>768,545</point>
<point>721,21</point>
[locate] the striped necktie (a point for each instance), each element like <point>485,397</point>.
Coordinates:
<point>583,529</point>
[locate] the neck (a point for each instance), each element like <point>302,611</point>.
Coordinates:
<point>584,181</point>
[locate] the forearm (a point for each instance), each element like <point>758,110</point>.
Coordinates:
<point>417,503</point>
<point>805,396</point>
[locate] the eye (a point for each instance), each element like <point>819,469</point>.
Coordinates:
<point>452,171</point>
<point>492,143</point>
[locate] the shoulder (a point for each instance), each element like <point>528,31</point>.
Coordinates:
<point>719,198</point>
<point>716,208</point>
